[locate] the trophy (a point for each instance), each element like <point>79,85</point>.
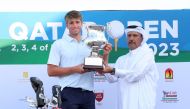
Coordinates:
<point>96,40</point>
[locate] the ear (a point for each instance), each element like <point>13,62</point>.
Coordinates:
<point>66,24</point>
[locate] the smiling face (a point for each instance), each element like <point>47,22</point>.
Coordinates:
<point>74,23</point>
<point>134,40</point>
<point>74,26</point>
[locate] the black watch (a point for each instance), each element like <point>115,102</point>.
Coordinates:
<point>113,71</point>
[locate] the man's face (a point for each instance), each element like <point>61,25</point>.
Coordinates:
<point>134,40</point>
<point>74,26</point>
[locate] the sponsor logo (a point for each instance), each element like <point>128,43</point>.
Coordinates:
<point>169,97</point>
<point>99,78</point>
<point>99,96</point>
<point>169,75</point>
<point>25,77</point>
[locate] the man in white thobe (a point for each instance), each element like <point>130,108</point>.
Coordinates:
<point>136,72</point>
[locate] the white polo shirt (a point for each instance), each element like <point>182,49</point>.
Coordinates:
<point>68,52</point>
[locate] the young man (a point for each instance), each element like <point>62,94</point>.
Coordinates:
<point>136,72</point>
<point>66,60</point>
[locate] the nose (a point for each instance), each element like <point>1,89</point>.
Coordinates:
<point>74,24</point>
<point>130,37</point>
<point>77,23</point>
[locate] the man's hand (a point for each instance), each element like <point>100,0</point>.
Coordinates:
<point>107,48</point>
<point>107,69</point>
<point>79,69</point>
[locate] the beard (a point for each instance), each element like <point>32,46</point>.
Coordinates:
<point>132,45</point>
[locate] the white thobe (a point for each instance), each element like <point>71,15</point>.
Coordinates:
<point>137,75</point>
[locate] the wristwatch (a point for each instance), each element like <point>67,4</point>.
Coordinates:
<point>113,71</point>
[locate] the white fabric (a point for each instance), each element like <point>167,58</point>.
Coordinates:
<point>67,52</point>
<point>137,75</point>
<point>139,30</point>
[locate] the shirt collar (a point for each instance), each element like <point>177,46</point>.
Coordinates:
<point>70,39</point>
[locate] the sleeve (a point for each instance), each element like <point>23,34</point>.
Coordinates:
<point>54,55</point>
<point>111,78</point>
<point>138,71</point>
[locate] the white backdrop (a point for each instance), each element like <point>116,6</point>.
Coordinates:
<point>15,86</point>
<point>66,5</point>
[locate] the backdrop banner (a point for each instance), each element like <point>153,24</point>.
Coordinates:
<point>26,38</point>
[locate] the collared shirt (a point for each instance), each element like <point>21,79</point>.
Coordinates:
<point>68,52</point>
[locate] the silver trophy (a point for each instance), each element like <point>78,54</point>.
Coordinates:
<point>96,40</point>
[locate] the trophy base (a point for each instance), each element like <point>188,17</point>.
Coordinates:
<point>89,67</point>
<point>92,63</point>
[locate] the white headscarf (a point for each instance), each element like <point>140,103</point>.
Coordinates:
<point>139,30</point>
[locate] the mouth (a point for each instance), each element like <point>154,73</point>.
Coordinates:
<point>131,43</point>
<point>75,30</point>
